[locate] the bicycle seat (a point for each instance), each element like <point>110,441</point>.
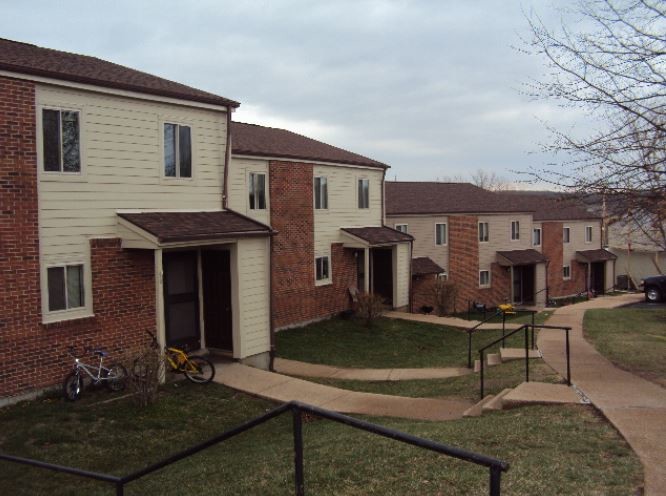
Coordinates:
<point>101,353</point>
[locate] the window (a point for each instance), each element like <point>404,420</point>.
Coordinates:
<point>443,275</point>
<point>401,227</point>
<point>177,150</point>
<point>363,193</point>
<point>536,236</point>
<point>61,141</point>
<point>321,192</point>
<point>588,234</point>
<point>484,232</point>
<point>484,278</point>
<point>321,267</point>
<point>566,272</point>
<point>257,191</point>
<point>515,230</point>
<point>440,234</point>
<point>65,287</point>
<point>566,235</point>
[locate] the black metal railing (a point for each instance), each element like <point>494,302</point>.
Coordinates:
<point>495,466</point>
<point>526,329</point>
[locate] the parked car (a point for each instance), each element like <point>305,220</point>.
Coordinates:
<point>655,288</point>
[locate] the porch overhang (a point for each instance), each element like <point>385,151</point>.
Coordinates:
<point>591,256</point>
<point>423,266</point>
<point>514,258</point>
<point>373,237</point>
<point>173,229</point>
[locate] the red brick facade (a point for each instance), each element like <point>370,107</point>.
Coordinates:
<point>423,292</point>
<point>295,298</point>
<point>553,249</point>
<point>32,354</point>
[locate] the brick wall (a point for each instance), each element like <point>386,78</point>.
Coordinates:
<point>422,292</point>
<point>553,249</point>
<point>295,297</point>
<point>33,355</point>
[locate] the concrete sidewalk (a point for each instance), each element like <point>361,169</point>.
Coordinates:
<point>283,388</point>
<point>635,406</point>
<point>304,369</point>
<point>448,321</point>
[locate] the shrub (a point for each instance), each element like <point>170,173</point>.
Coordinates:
<point>444,293</point>
<point>369,308</point>
<point>145,375</point>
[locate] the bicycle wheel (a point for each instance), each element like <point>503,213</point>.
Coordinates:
<point>116,377</point>
<point>199,370</point>
<point>72,386</point>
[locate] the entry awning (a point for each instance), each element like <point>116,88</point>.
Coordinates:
<point>590,256</point>
<point>164,229</point>
<point>368,237</point>
<point>422,266</point>
<point>520,257</point>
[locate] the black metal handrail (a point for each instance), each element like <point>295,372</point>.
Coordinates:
<point>495,466</point>
<point>525,328</point>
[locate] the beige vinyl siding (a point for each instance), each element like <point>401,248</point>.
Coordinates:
<point>343,208</point>
<point>423,229</point>
<point>402,259</point>
<point>253,296</point>
<point>238,187</point>
<point>577,239</point>
<point>500,236</point>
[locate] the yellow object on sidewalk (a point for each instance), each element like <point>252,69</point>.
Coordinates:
<point>506,309</point>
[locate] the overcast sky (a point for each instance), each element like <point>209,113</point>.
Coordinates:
<point>431,88</point>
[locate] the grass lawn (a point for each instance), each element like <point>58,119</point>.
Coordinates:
<point>552,450</point>
<point>632,338</point>
<point>391,343</point>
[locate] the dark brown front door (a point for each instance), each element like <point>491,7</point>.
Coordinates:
<point>382,273</point>
<point>598,278</point>
<point>181,299</point>
<point>523,284</point>
<point>216,282</point>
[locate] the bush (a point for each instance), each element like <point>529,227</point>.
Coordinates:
<point>369,308</point>
<point>444,293</point>
<point>145,375</point>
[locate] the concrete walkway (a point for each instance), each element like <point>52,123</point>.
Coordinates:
<point>635,406</point>
<point>304,369</point>
<point>448,321</point>
<point>283,388</point>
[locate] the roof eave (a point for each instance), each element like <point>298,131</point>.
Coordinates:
<point>250,153</point>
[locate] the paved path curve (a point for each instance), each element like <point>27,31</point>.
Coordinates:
<point>635,406</point>
<point>280,387</point>
<point>304,369</point>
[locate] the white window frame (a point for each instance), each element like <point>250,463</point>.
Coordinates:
<point>515,230</point>
<point>443,275</point>
<point>328,279</point>
<point>362,205</point>
<point>534,231</point>
<point>60,175</point>
<point>566,277</point>
<point>486,231</point>
<point>50,316</point>
<point>589,229</point>
<point>486,285</point>
<point>399,227</point>
<point>323,192</point>
<point>177,177</point>
<point>566,239</point>
<point>445,240</point>
<point>249,180</point>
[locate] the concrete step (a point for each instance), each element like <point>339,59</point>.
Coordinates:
<point>507,354</point>
<point>494,359</point>
<point>496,403</point>
<point>540,393</point>
<point>477,410</point>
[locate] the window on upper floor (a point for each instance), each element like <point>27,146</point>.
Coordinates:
<point>257,191</point>
<point>566,272</point>
<point>588,234</point>
<point>320,193</point>
<point>484,232</point>
<point>322,272</point>
<point>177,151</point>
<point>484,278</point>
<point>440,234</point>
<point>401,227</point>
<point>61,140</point>
<point>515,230</point>
<point>65,287</point>
<point>566,235</point>
<point>363,193</point>
<point>536,236</point>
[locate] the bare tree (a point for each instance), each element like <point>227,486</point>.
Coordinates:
<point>490,181</point>
<point>614,68</point>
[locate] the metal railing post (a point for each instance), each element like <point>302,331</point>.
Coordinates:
<point>120,489</point>
<point>566,331</point>
<point>495,481</point>
<point>527,354</point>
<point>503,328</point>
<point>481,372</point>
<point>533,344</point>
<point>298,452</point>
<point>469,350</point>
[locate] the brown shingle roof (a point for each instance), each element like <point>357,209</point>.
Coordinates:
<point>444,198</point>
<point>551,206</point>
<point>37,61</point>
<point>425,265</point>
<point>521,257</point>
<point>251,139</point>
<point>599,255</point>
<point>378,235</point>
<point>171,227</point>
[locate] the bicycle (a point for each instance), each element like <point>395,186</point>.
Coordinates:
<point>196,369</point>
<point>114,377</point>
